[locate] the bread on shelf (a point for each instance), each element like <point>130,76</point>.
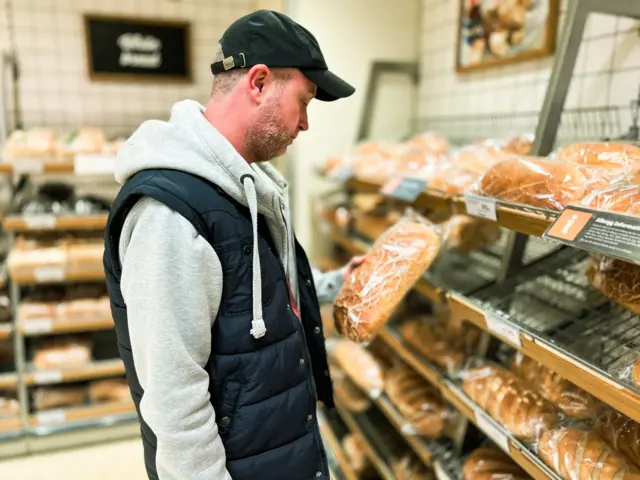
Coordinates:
<point>576,454</point>
<point>418,402</point>
<point>409,467</point>
<point>490,463</point>
<point>621,198</point>
<point>109,390</point>
<point>621,160</point>
<point>347,392</point>
<point>359,365</point>
<point>32,143</point>
<point>617,279</point>
<point>621,433</point>
<point>467,234</point>
<point>356,455</point>
<point>572,400</point>
<point>510,400</point>
<point>62,353</point>
<point>372,292</point>
<point>46,398</point>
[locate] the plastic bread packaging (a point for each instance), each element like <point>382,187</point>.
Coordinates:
<point>419,403</point>
<point>579,454</point>
<point>451,179</point>
<point>510,400</point>
<point>397,259</point>
<point>356,455</point>
<point>468,234</point>
<point>62,353</point>
<point>621,433</point>
<point>359,365</point>
<point>9,406</point>
<point>46,398</point>
<point>491,463</point>
<point>539,182</point>
<point>36,142</point>
<point>430,142</point>
<point>616,279</point>
<point>570,399</point>
<point>617,159</point>
<point>110,390</point>
<point>409,467</point>
<point>347,393</point>
<point>621,198</point>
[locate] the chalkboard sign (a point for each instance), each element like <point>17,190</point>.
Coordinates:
<point>132,49</point>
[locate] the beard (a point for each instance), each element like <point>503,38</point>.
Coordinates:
<point>268,138</point>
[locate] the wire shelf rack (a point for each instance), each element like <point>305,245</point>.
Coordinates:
<point>554,301</point>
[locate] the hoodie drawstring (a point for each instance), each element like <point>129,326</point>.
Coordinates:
<point>258,327</point>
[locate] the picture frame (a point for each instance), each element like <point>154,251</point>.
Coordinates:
<point>500,32</point>
<point>137,50</point>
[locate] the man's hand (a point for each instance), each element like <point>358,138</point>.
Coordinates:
<point>352,265</point>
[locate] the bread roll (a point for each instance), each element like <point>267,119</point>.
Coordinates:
<point>417,401</point>
<point>572,400</point>
<point>111,390</point>
<point>410,468</point>
<point>539,183</point>
<point>356,455</point>
<point>359,365</point>
<point>373,291</point>
<point>617,279</point>
<point>621,433</point>
<point>618,198</point>
<point>510,401</point>
<point>489,463</point>
<point>576,454</point>
<point>469,234</point>
<point>62,353</point>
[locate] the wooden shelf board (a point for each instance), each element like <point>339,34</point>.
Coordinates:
<point>22,224</point>
<point>95,370</point>
<point>86,412</point>
<point>37,327</point>
<point>8,381</point>
<point>58,275</point>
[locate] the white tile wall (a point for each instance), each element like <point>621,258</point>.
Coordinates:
<point>607,71</point>
<point>54,86</point>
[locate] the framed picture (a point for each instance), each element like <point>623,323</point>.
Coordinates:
<point>129,49</point>
<point>497,32</point>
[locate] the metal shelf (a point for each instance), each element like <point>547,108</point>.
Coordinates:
<point>93,371</point>
<point>550,313</point>
<point>35,223</point>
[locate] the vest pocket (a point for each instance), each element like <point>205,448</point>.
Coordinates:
<point>228,402</point>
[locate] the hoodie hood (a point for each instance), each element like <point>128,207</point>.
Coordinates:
<point>189,143</point>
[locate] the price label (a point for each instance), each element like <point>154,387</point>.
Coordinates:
<point>341,174</point>
<point>481,207</point>
<point>40,222</point>
<point>28,165</point>
<point>47,377</point>
<point>503,329</point>
<point>38,325</point>
<point>407,189</point>
<point>492,430</point>
<point>439,470</point>
<point>49,274</point>
<point>51,417</point>
<point>86,164</point>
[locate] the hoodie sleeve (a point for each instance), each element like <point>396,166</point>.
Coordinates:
<point>328,284</point>
<point>172,285</point>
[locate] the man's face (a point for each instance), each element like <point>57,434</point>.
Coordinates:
<point>281,116</point>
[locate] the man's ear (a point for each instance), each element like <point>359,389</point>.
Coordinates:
<point>258,78</point>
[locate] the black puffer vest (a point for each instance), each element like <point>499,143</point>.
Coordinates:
<point>263,390</point>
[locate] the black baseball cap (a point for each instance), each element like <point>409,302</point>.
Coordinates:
<point>275,40</point>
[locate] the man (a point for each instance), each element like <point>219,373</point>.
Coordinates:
<point>214,301</point>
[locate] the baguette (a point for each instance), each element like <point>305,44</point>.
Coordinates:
<point>419,403</point>
<point>359,365</point>
<point>617,279</point>
<point>572,400</point>
<point>621,433</point>
<point>576,454</point>
<point>371,293</point>
<point>489,463</point>
<point>510,401</point>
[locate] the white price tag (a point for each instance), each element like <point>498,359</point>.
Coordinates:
<point>37,325</point>
<point>502,329</point>
<point>51,417</point>
<point>441,473</point>
<point>46,377</point>
<point>481,207</point>
<point>88,164</point>
<point>492,430</point>
<point>40,222</point>
<point>28,165</point>
<point>49,274</point>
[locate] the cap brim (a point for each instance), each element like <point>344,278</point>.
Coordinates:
<point>330,86</point>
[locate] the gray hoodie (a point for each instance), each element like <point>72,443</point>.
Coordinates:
<point>172,283</point>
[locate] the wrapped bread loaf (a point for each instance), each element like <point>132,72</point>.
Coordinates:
<point>617,279</point>
<point>621,433</point>
<point>359,365</point>
<point>430,142</point>
<point>489,463</point>
<point>111,390</point>
<point>451,179</point>
<point>356,455</point>
<point>620,198</point>
<point>46,398</point>
<point>36,142</point>
<point>510,400</point>
<point>572,400</point>
<point>62,353</point>
<point>418,402</point>
<point>576,454</point>
<point>469,234</point>
<point>410,467</point>
<point>612,156</point>
<point>539,183</point>
<point>373,291</point>
<point>435,342</point>
<point>9,407</point>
